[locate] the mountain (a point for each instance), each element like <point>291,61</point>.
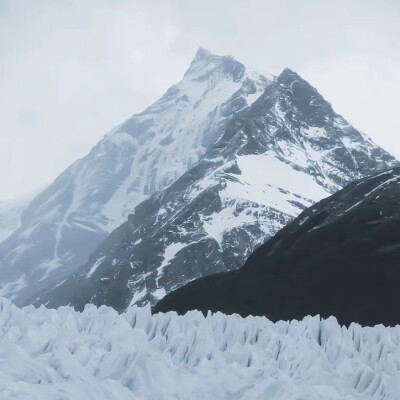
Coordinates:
<point>149,151</point>
<point>10,213</point>
<point>99,354</point>
<point>339,257</point>
<point>289,151</point>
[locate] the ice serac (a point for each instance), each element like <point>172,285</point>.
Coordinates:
<point>102,355</point>
<point>340,257</point>
<point>289,151</point>
<point>66,222</point>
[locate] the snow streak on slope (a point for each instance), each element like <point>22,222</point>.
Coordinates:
<point>99,354</point>
<point>143,155</point>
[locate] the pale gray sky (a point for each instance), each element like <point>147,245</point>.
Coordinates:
<point>70,70</point>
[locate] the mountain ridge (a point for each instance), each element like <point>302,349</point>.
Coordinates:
<point>289,150</point>
<point>144,154</point>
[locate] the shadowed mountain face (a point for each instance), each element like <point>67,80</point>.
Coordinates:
<point>340,257</point>
<point>289,150</point>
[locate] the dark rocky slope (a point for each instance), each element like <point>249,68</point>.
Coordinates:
<point>340,257</point>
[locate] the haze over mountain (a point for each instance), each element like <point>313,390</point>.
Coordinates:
<point>10,215</point>
<point>340,257</point>
<point>287,151</point>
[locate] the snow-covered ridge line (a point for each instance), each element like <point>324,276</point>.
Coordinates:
<point>143,155</point>
<point>100,354</point>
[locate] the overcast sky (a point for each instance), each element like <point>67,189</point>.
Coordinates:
<point>71,70</point>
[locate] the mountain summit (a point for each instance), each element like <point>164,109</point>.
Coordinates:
<point>202,53</point>
<point>145,154</point>
<point>286,152</point>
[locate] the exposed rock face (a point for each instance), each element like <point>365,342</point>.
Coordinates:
<point>289,151</point>
<point>340,257</point>
<point>148,152</point>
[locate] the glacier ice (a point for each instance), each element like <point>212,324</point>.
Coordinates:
<point>100,354</point>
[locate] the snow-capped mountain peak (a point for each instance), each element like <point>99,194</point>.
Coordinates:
<point>144,154</point>
<point>289,150</point>
<point>205,64</point>
<point>202,53</point>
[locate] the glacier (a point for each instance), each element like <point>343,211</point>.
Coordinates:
<point>100,354</point>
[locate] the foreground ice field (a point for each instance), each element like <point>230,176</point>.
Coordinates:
<point>98,354</point>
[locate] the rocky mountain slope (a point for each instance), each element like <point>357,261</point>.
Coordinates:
<point>290,150</point>
<point>339,257</point>
<point>149,151</point>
